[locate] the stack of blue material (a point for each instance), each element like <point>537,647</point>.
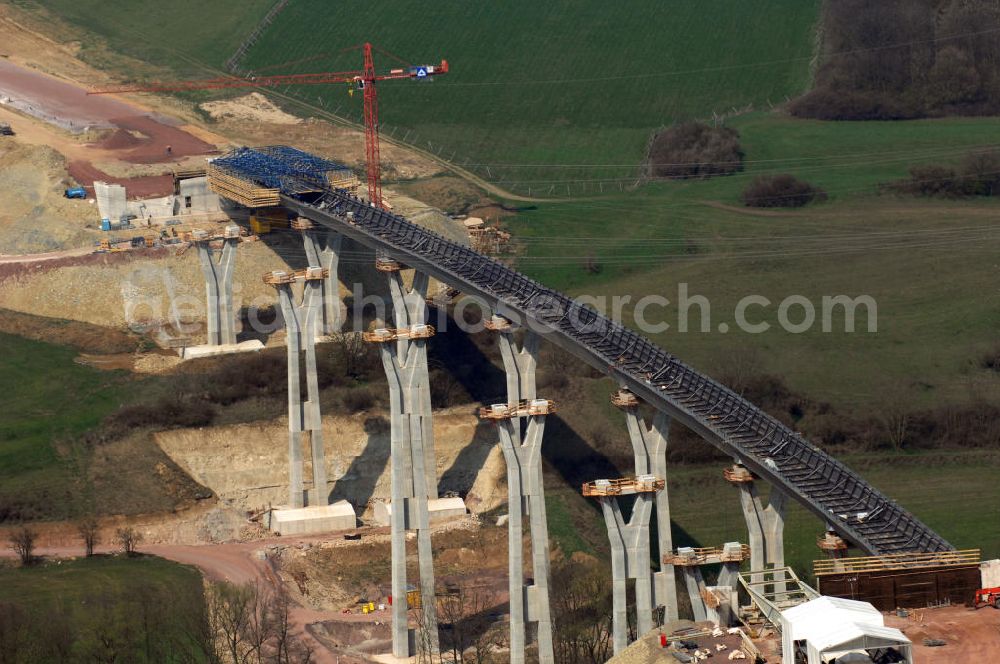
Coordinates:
<point>279,167</point>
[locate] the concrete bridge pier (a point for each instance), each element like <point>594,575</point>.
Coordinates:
<point>404,357</point>
<point>649,445</point>
<point>521,424</point>
<point>220,317</point>
<point>629,560</point>
<point>695,584</point>
<point>323,249</point>
<point>409,308</point>
<point>720,610</point>
<point>304,422</point>
<point>765,525</point>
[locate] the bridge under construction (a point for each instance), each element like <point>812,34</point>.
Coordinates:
<point>763,449</point>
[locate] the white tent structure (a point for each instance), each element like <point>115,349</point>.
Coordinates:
<point>831,630</point>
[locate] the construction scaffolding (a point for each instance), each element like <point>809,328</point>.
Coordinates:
<point>623,487</point>
<point>384,335</point>
<point>898,561</point>
<point>712,555</point>
<point>524,408</point>
<point>255,177</point>
<point>777,590</point>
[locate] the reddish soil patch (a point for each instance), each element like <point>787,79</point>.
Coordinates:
<point>153,150</point>
<point>148,186</point>
<point>970,635</point>
<point>119,140</point>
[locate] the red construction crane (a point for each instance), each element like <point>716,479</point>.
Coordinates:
<point>364,80</point>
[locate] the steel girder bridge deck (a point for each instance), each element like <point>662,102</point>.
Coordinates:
<point>826,487</point>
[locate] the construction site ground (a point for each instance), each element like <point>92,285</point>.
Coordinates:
<point>969,635</point>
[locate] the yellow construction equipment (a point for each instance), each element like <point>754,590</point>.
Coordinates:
<point>264,220</point>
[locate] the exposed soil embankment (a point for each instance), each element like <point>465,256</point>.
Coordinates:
<point>246,465</point>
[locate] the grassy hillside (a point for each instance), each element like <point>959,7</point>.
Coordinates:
<point>557,83</point>
<point>49,399</point>
<point>184,36</point>
<point>103,609</point>
<point>928,264</point>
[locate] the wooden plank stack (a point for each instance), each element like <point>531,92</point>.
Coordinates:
<point>242,191</point>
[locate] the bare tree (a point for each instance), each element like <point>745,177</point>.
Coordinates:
<point>88,529</point>
<point>128,539</point>
<point>896,414</point>
<point>252,625</point>
<point>284,647</point>
<point>582,612</point>
<point>22,542</point>
<point>355,357</point>
<point>229,609</point>
<point>468,612</point>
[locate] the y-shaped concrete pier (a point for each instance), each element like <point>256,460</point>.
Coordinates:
<point>220,317</point>
<point>409,308</point>
<point>629,550</point>
<point>649,445</point>
<point>522,450</point>
<point>404,356</point>
<point>303,417</point>
<point>716,603</point>
<point>322,248</point>
<point>765,526</point>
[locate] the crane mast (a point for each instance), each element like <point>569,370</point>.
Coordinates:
<point>372,156</point>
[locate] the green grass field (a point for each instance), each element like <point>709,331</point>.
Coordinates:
<point>950,493</point>
<point>571,84</point>
<point>105,608</point>
<point>187,38</point>
<point>49,400</point>
<point>929,265</point>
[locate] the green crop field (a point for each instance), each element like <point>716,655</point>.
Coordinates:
<point>535,84</point>
<point>49,399</point>
<point>188,38</point>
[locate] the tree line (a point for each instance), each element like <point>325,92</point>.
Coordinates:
<point>902,59</point>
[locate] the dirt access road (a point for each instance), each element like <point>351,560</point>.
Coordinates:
<point>7,259</point>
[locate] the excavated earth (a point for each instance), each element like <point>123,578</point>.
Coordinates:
<point>246,465</point>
